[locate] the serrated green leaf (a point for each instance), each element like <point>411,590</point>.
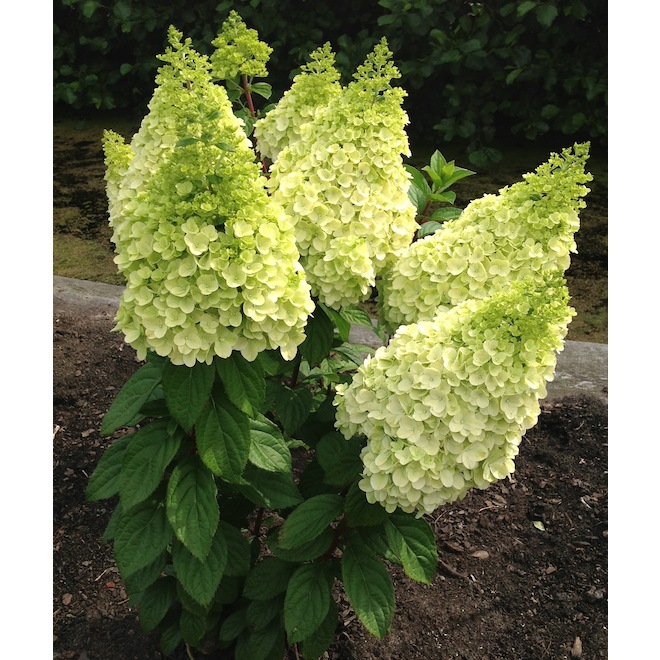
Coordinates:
<point>268,449</point>
<point>413,541</point>
<point>155,601</point>
<point>243,382</point>
<point>233,626</point>
<point>267,643</point>
<point>142,534</point>
<point>339,458</point>
<point>307,601</point>
<point>132,396</point>
<point>293,407</point>
<point>140,580</point>
<point>273,490</point>
<point>448,213</point>
<point>309,519</point>
<point>352,353</point>
<point>309,551</point>
<point>418,199</point>
<point>238,550</point>
<point>369,589</point>
<point>418,180</point>
<point>356,315</point>
<point>171,637</point>
<point>192,508</point>
<point>104,481</point>
<point>113,524</point>
<point>316,644</point>
<point>223,438</point>
<point>261,612</point>
<point>151,450</point>
<point>263,89</point>
<point>342,325</point>
<point>187,389</point>
<point>358,511</point>
<point>428,228</point>
<point>268,579</point>
<point>448,197</point>
<point>319,335</point>
<point>201,579</point>
<point>193,627</point>
<point>189,603</point>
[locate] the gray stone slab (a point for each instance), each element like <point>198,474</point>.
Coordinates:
<point>581,366</point>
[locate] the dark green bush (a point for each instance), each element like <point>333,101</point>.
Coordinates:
<point>477,72</point>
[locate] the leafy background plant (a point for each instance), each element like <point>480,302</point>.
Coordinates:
<point>479,73</point>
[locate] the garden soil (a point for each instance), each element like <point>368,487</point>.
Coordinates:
<point>522,568</point>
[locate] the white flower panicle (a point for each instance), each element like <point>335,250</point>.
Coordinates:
<point>344,185</point>
<point>311,91</point>
<point>444,406</point>
<point>524,231</point>
<point>210,260</point>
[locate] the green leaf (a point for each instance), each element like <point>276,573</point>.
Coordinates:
<point>356,315</point>
<point>307,601</point>
<point>309,551</point>
<point>155,601</point>
<point>233,626</point>
<point>201,579</point>
<point>273,490</point>
<point>316,644</point>
<point>525,7</point>
<point>262,89</point>
<point>546,14</point>
<point>449,197</point>
<point>192,508</point>
<point>428,228</point>
<point>261,612</point>
<point>187,389</point>
<point>193,627</point>
<point>369,589</point>
<point>243,381</point>
<point>320,332</point>
<point>309,519</point>
<point>184,142</point>
<point>171,637</point>
<point>268,449</point>
<point>142,534</point>
<point>238,550</point>
<point>339,458</point>
<point>268,579</point>
<point>223,438</point>
<point>342,325</point>
<point>358,511</point>
<point>145,577</point>
<point>293,407</point>
<point>145,460</point>
<point>418,199</point>
<point>132,396</point>
<point>418,180</point>
<point>104,481</point>
<point>413,541</point>
<point>267,643</point>
<point>447,213</point>
<point>113,524</point>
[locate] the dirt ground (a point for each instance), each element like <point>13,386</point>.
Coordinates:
<point>523,566</point>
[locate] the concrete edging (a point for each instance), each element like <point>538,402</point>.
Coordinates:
<point>581,366</point>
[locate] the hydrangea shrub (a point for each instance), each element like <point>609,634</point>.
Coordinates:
<point>259,462</point>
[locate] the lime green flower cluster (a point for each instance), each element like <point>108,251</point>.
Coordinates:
<point>525,231</point>
<point>444,406</point>
<point>344,184</point>
<point>238,51</point>
<point>210,260</point>
<point>311,91</point>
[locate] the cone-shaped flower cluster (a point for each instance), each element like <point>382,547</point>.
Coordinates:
<point>238,51</point>
<point>344,184</point>
<point>525,231</point>
<point>210,260</point>
<point>444,406</point>
<point>311,91</point>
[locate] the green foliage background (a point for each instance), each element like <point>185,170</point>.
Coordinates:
<point>478,72</point>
